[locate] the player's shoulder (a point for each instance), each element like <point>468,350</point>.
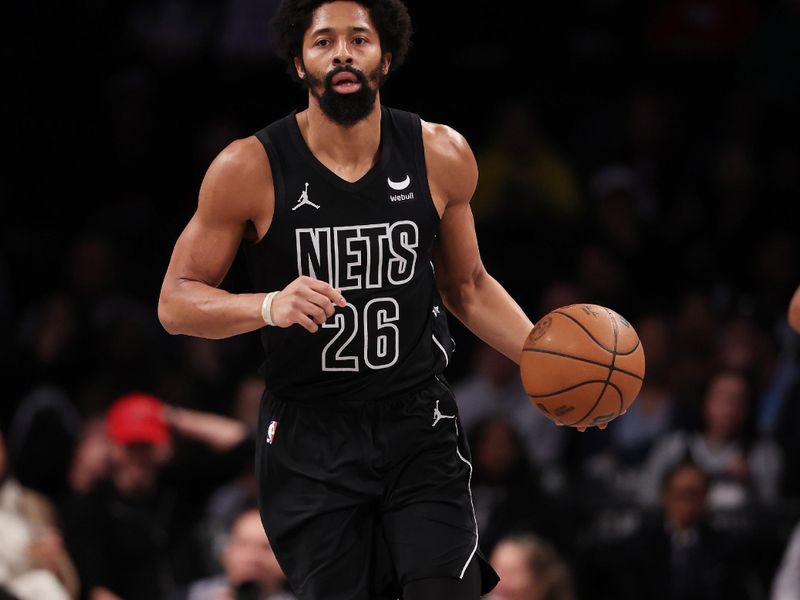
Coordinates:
<point>445,142</point>
<point>242,157</point>
<point>238,180</point>
<point>450,161</point>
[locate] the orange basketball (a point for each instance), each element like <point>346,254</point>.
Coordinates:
<point>582,365</point>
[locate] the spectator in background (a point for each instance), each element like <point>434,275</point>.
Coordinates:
<point>250,568</point>
<point>44,413</point>
<point>745,471</point>
<point>604,280</point>
<point>49,342</point>
<point>678,555</point>
<point>744,346</point>
<point>91,458</point>
<point>505,487</point>
<point>694,348</point>
<point>530,569</point>
<point>234,496</point>
<point>612,459</point>
<point>145,514</point>
<point>119,532</point>
<point>653,413</point>
<point>524,180</point>
<point>494,388</point>
<point>33,562</point>
<point>233,441</point>
<point>522,175</point>
<point>619,204</point>
<point>199,378</point>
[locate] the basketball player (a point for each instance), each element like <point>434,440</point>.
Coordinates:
<point>354,218</point>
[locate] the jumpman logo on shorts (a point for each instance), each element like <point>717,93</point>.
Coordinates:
<point>304,199</point>
<point>438,416</point>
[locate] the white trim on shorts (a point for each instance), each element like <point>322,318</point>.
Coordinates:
<point>446,362</point>
<point>471,503</point>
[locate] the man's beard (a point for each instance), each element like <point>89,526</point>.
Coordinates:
<point>346,109</point>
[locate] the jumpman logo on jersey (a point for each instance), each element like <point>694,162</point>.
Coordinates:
<point>438,416</point>
<point>304,199</point>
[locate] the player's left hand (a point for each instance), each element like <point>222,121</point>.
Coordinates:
<point>582,428</point>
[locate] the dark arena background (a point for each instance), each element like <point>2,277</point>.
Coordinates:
<point>638,155</point>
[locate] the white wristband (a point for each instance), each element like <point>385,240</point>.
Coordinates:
<point>266,308</point>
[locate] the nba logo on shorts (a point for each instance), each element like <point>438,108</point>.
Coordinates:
<point>271,431</point>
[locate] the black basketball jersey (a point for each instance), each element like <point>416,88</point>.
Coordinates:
<point>373,240</point>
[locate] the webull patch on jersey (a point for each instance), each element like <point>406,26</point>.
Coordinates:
<point>401,197</point>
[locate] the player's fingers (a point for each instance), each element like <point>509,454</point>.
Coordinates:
<point>322,301</point>
<point>315,313</point>
<point>325,289</point>
<point>307,323</point>
<point>603,425</point>
<point>581,428</point>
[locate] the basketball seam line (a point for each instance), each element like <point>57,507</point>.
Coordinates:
<point>577,385</point>
<point>610,371</point>
<point>596,341</point>
<point>614,359</point>
<point>586,360</point>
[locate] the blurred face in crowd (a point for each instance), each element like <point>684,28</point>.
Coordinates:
<point>496,452</point>
<point>726,405</point>
<point>684,497</point>
<point>517,580</point>
<point>496,367</point>
<point>342,63</point>
<point>248,555</point>
<point>135,466</point>
<point>742,345</point>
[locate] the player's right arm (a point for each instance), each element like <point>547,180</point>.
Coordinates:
<point>236,198</point>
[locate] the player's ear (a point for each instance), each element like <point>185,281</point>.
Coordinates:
<point>299,67</point>
<point>387,61</point>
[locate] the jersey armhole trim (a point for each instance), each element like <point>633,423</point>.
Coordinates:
<point>422,170</point>
<point>278,187</point>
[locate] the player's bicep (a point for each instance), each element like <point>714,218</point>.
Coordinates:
<point>453,174</point>
<point>236,191</point>
<point>205,250</point>
<point>456,257</point>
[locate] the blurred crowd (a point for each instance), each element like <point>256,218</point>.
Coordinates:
<point>637,155</point>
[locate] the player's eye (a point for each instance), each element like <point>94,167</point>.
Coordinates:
<point>359,40</point>
<point>323,42</point>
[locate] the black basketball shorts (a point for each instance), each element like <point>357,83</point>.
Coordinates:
<point>359,499</point>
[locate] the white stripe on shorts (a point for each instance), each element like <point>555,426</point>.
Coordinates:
<point>469,490</point>
<point>446,361</point>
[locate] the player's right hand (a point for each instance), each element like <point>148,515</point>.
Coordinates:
<point>307,302</point>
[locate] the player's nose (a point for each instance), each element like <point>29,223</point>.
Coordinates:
<point>343,60</point>
<point>342,55</point>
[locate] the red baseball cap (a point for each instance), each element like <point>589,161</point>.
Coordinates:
<point>137,417</point>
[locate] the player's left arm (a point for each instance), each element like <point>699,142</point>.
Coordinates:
<point>468,291</point>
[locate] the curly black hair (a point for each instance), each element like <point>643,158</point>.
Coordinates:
<point>293,18</point>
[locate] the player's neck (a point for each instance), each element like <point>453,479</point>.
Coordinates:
<point>347,147</point>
